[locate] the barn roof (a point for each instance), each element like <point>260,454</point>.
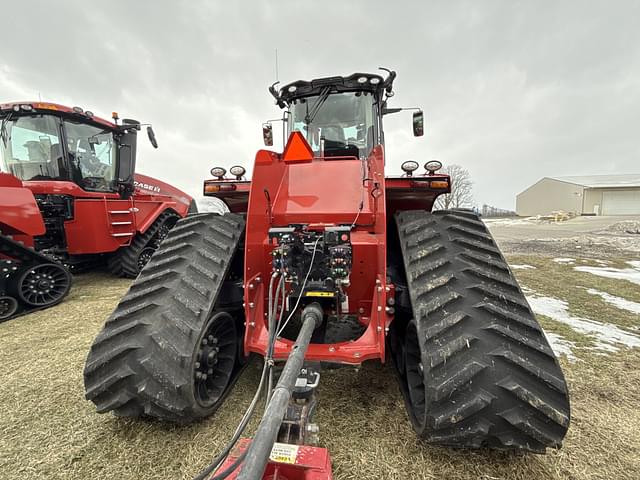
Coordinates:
<point>603,181</point>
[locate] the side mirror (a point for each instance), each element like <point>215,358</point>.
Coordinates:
<point>418,123</point>
<point>152,137</point>
<point>267,134</point>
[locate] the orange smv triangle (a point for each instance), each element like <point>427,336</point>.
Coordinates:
<point>297,150</point>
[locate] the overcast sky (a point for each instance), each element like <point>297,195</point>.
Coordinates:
<point>511,90</point>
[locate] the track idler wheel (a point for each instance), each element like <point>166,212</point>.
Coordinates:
<point>214,359</point>
<point>414,375</point>
<point>144,257</point>
<point>43,285</point>
<point>8,307</point>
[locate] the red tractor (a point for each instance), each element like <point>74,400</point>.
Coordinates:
<point>324,259</point>
<point>69,198</point>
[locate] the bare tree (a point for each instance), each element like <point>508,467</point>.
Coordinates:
<point>461,189</point>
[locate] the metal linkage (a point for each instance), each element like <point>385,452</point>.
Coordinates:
<point>258,453</point>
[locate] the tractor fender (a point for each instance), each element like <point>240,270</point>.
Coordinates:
<point>147,187</point>
<point>19,214</point>
<point>149,212</point>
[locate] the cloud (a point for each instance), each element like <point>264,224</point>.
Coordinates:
<point>512,90</point>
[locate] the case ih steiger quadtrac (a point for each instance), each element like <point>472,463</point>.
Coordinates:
<point>323,258</point>
<point>69,198</point>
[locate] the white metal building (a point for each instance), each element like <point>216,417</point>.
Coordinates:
<point>583,195</point>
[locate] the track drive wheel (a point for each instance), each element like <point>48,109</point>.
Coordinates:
<point>43,285</point>
<point>130,260</point>
<point>170,349</point>
<point>476,370</point>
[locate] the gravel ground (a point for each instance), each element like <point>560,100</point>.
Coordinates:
<point>596,237</point>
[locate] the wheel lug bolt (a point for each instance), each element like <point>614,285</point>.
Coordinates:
<point>204,341</point>
<point>210,371</point>
<point>198,375</point>
<point>210,338</point>
<point>197,364</point>
<point>204,376</point>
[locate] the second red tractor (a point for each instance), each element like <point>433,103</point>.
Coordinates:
<point>70,198</point>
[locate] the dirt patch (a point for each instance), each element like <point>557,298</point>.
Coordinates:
<point>630,227</point>
<point>597,246</point>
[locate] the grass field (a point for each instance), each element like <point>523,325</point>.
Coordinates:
<point>48,430</point>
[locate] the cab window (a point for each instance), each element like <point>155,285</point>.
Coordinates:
<point>31,148</point>
<point>91,156</point>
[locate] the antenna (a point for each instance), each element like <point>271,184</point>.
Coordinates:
<point>277,76</point>
<point>39,97</point>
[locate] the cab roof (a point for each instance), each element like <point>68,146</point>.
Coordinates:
<point>55,107</point>
<point>357,82</point>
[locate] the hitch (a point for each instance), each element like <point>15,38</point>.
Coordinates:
<point>282,446</point>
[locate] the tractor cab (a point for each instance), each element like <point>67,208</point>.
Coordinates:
<point>50,142</point>
<point>338,116</point>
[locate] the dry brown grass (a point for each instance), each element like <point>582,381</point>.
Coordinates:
<point>48,430</point>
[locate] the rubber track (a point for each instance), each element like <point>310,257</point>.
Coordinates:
<point>140,363</point>
<point>25,256</point>
<point>124,262</point>
<point>491,379</point>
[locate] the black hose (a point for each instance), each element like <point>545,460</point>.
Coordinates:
<point>215,463</point>
<point>231,468</point>
<point>266,370</point>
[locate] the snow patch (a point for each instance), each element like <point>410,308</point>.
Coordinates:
<point>608,337</point>
<point>630,274</point>
<point>561,346</point>
<point>619,302</point>
<point>211,205</point>
<point>522,267</point>
<point>564,260</point>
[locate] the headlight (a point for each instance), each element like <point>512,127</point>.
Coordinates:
<point>374,81</point>
<point>238,171</point>
<point>292,89</point>
<point>409,167</point>
<point>433,166</point>
<point>362,80</point>
<point>218,172</point>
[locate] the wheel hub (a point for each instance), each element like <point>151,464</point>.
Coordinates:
<point>214,359</point>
